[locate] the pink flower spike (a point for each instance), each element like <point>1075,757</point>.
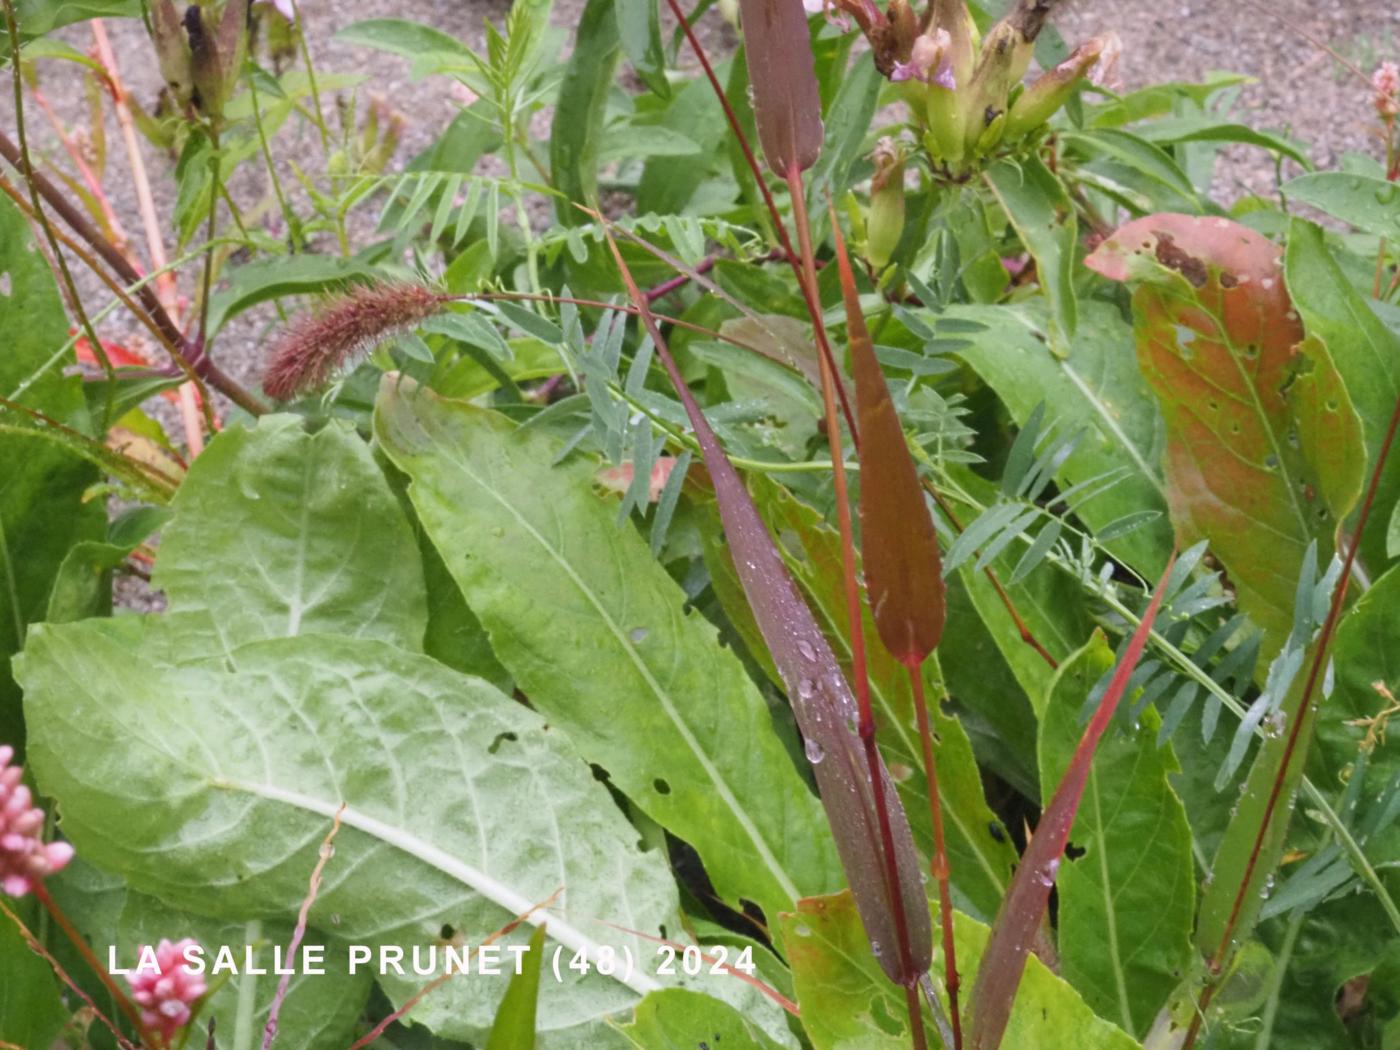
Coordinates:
<point>25,857</point>
<point>165,996</point>
<point>1385,82</point>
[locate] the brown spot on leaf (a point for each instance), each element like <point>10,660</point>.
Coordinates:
<point>1184,263</point>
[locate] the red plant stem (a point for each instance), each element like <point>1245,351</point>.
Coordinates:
<point>808,294</point>
<point>1026,635</point>
<point>859,669</point>
<point>313,888</point>
<point>1329,627</point>
<point>665,288</point>
<point>123,1002</point>
<point>938,866</point>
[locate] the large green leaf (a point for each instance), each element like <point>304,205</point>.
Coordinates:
<point>677,1019</point>
<point>278,532</point>
<point>42,511</point>
<point>848,1005</point>
<point>578,117</point>
<point>1094,386</point>
<point>1264,449</point>
<point>1127,901</point>
<point>1040,209</point>
<point>596,635</point>
<point>212,789</point>
<point>1366,352</point>
<point>1367,202</point>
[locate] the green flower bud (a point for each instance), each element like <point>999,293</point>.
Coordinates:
<point>1039,102</point>
<point>885,224</point>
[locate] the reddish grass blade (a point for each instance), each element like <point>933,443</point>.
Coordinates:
<point>999,974</point>
<point>826,711</point>
<point>899,548</point>
<point>903,569</point>
<point>786,102</point>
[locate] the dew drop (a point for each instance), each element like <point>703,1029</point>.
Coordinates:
<point>814,751</point>
<point>806,688</point>
<point>805,648</point>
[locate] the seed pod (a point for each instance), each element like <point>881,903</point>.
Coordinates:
<point>1039,102</point>
<point>216,53</point>
<point>1006,54</point>
<point>172,51</point>
<point>786,102</point>
<point>886,222</point>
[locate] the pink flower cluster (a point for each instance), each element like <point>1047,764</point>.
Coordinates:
<point>165,997</point>
<point>25,857</point>
<point>1385,82</point>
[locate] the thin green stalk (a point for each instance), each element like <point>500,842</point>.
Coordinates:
<point>208,280</point>
<point>288,216</point>
<point>319,118</point>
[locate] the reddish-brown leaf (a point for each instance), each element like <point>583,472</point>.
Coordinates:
<point>1003,962</point>
<point>899,548</point>
<point>786,102</point>
<point>1264,450</point>
<point>821,700</point>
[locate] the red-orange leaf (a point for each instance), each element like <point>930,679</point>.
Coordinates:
<point>1264,450</point>
<point>899,548</point>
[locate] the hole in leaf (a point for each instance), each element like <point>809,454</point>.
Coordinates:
<point>500,739</point>
<point>638,634</point>
<point>5,289</point>
<point>661,787</point>
<point>447,932</point>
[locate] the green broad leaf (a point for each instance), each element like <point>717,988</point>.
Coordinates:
<point>1095,386</point>
<point>514,1027</point>
<point>639,29</point>
<point>1126,903</point>
<point>979,861</point>
<point>579,112</point>
<point>680,1020</point>
<point>408,39</point>
<point>1265,453</point>
<point>31,1006</point>
<point>1040,209</point>
<point>1176,130</point>
<point>82,586</point>
<point>258,282</point>
<point>43,513</point>
<point>1366,202</point>
<point>593,631</point>
<point>468,377</point>
<point>37,17</point>
<point>278,532</point>
<point>669,185</point>
<point>210,782</point>
<point>1366,353</point>
<point>847,1004</point>
<point>1160,175</point>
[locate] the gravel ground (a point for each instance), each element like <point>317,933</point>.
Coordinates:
<point>1299,88</point>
